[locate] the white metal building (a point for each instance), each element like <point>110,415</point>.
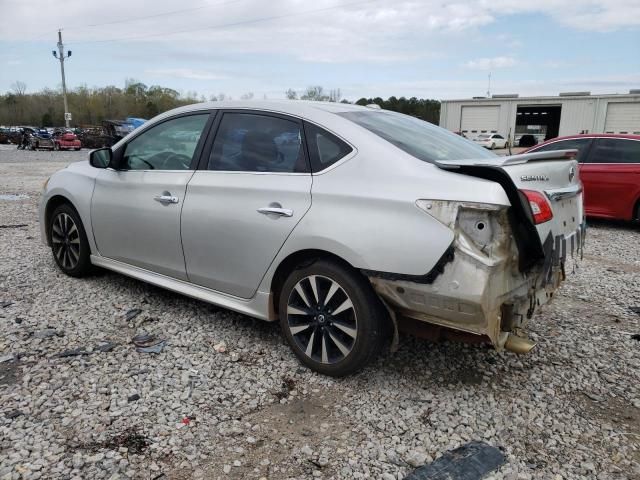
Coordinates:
<point>544,117</point>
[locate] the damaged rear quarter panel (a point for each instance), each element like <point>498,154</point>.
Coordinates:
<point>483,274</point>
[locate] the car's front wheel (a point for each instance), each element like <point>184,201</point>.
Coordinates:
<point>69,243</point>
<point>331,317</point>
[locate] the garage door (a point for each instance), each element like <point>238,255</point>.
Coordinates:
<point>479,119</point>
<point>623,117</point>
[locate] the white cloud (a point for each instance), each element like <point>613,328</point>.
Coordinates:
<point>185,73</point>
<point>491,63</point>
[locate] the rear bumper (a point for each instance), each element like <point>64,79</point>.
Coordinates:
<point>488,298</point>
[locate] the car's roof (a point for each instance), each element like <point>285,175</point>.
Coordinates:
<point>594,135</point>
<point>302,108</point>
<point>584,135</point>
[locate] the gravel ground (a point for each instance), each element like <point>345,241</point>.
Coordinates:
<point>227,399</point>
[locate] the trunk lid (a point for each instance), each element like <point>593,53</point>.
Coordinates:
<point>554,175</point>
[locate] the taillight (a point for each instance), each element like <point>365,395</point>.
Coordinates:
<point>540,206</point>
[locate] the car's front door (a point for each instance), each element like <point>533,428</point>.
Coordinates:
<point>241,205</point>
<point>135,209</point>
<point>611,177</point>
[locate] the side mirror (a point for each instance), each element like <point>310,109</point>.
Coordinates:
<point>100,158</point>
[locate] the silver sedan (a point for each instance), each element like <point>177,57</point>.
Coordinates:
<point>345,223</point>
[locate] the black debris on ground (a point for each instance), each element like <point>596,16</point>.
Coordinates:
<point>288,384</point>
<point>472,461</point>
<point>636,336</point>
<point>147,343</point>
<point>48,333</point>
<point>635,310</point>
<point>131,439</point>
<point>7,358</point>
<point>133,398</point>
<point>5,304</point>
<point>13,414</point>
<point>131,314</point>
<point>106,346</point>
<point>74,352</point>
<point>18,225</point>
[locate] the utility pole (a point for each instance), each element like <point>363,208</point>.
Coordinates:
<point>489,87</point>
<point>67,115</point>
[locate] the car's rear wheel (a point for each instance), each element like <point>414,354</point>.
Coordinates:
<point>331,318</point>
<point>69,243</point>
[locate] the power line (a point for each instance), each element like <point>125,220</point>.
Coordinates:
<point>227,25</point>
<point>164,14</point>
<point>144,17</point>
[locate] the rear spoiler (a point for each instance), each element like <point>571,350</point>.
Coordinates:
<point>509,160</point>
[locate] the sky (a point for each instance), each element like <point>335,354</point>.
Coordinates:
<point>365,48</point>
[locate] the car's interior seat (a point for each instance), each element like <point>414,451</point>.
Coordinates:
<point>258,152</point>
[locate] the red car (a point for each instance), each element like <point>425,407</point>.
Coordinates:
<point>609,170</point>
<point>66,141</point>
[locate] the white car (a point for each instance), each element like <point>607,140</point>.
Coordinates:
<point>345,223</point>
<point>491,140</point>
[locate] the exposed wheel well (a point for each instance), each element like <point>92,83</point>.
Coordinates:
<point>635,214</point>
<point>301,258</point>
<point>53,203</point>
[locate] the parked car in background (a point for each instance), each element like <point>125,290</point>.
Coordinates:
<point>66,140</point>
<point>527,140</point>
<point>491,140</point>
<point>609,169</point>
<point>40,139</point>
<point>411,227</point>
<point>5,135</point>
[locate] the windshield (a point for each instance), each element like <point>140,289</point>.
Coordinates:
<point>417,137</point>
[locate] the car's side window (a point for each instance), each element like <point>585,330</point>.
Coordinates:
<point>615,150</point>
<point>169,145</point>
<point>248,142</point>
<point>580,144</point>
<point>498,136</point>
<point>325,148</point>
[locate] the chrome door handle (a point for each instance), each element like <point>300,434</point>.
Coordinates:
<point>282,212</point>
<point>166,199</point>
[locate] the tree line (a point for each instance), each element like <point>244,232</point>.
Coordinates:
<point>90,106</point>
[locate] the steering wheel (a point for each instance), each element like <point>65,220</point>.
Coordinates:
<point>171,161</point>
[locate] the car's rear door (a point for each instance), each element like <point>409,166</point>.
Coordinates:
<point>252,187</point>
<point>611,176</point>
<point>135,209</point>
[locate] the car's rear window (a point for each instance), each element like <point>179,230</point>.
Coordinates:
<point>417,137</point>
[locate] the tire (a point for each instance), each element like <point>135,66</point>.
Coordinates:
<point>493,146</point>
<point>77,149</point>
<point>56,146</point>
<point>335,344</point>
<point>69,245</point>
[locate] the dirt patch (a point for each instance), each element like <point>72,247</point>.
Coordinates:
<point>292,439</point>
<point>9,372</point>
<point>624,417</point>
